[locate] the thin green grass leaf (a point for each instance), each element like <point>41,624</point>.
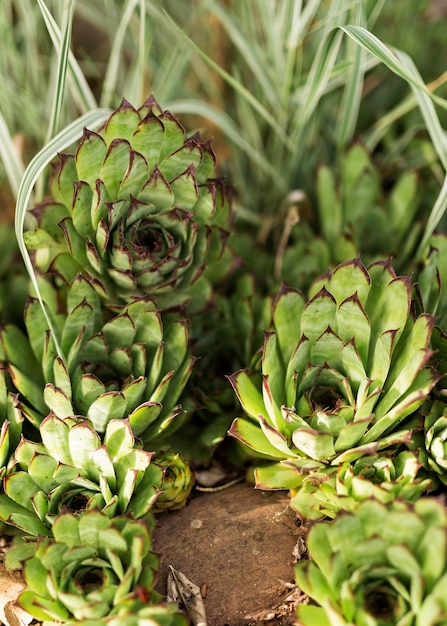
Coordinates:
<point>352,95</point>
<point>80,89</point>
<point>11,161</point>
<point>388,57</point>
<point>115,57</point>
<point>427,108</point>
<point>35,168</point>
<point>63,53</point>
<point>318,77</point>
<point>237,86</point>
<point>436,214</point>
<point>140,88</point>
<point>227,126</point>
<point>247,50</point>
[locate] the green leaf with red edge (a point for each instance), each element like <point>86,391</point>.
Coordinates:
<point>122,123</point>
<point>318,314</point>
<point>287,310</point>
<point>110,405</point>
<point>249,433</point>
<point>89,156</point>
<point>248,394</point>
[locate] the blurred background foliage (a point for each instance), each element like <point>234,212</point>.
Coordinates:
<point>278,86</point>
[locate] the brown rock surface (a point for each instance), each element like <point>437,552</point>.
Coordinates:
<point>239,543</point>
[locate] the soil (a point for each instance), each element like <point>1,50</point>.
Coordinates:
<point>239,545</point>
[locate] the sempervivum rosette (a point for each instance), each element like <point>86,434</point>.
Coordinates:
<point>133,365</point>
<point>137,208</point>
<point>92,567</point>
<point>380,565</point>
<point>73,470</point>
<point>385,477</point>
<point>339,374</point>
<point>433,452</point>
<point>177,482</point>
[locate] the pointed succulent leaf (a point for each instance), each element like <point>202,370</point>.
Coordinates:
<point>254,438</point>
<point>318,314</point>
<point>143,416</point>
<point>248,394</point>
<point>277,476</point>
<point>91,151</point>
<point>57,401</point>
<point>110,405</point>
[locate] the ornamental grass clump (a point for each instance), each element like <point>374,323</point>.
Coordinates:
<point>339,374</point>
<point>380,565</point>
<point>137,209</point>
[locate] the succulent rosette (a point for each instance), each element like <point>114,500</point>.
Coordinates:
<point>91,568</point>
<point>177,482</point>
<point>137,208</point>
<point>433,452</point>
<point>133,365</point>
<point>73,469</point>
<point>379,565</point>
<point>339,374</point>
<point>383,477</point>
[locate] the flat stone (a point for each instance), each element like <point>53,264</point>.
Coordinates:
<point>238,545</point>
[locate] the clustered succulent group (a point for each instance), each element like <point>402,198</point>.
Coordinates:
<point>156,341</point>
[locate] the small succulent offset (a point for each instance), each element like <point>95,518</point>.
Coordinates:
<point>433,452</point>
<point>137,209</point>
<point>177,482</point>
<point>133,365</point>
<point>92,567</point>
<point>339,374</point>
<point>72,469</point>
<point>384,477</point>
<point>380,565</point>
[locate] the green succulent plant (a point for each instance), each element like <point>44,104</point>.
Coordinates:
<point>433,451</point>
<point>383,477</point>
<point>159,615</point>
<point>380,565</point>
<point>137,209</point>
<point>92,567</point>
<point>133,365</point>
<point>354,206</point>
<point>354,209</point>
<point>338,376</point>
<point>11,420</point>
<point>224,337</point>
<point>73,469</point>
<point>177,482</point>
